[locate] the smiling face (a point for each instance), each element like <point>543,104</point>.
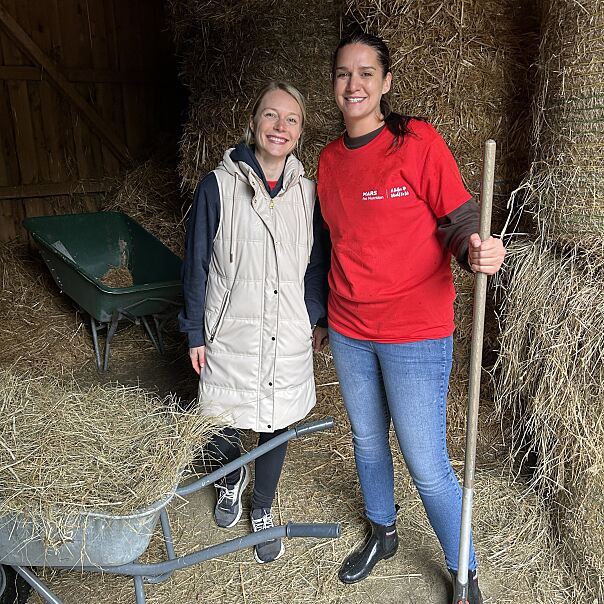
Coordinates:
<point>277,126</point>
<point>359,83</point>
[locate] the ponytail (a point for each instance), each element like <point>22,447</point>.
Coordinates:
<point>396,123</point>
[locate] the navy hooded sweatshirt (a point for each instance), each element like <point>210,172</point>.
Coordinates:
<point>202,226</point>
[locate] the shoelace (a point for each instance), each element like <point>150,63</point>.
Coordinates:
<point>226,493</point>
<point>264,522</point>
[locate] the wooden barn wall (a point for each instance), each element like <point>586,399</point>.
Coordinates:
<point>115,62</point>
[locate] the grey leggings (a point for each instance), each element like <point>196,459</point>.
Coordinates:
<point>224,447</point>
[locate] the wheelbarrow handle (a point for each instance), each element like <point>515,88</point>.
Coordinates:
<point>154,569</point>
<point>296,432</point>
<point>316,426</point>
<point>330,530</point>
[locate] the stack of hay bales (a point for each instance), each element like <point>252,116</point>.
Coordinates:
<point>230,50</point>
<point>551,362</point>
<point>464,67</point>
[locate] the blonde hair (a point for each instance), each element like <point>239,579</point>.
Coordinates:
<point>248,134</point>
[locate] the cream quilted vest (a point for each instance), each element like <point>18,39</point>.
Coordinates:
<point>258,371</point>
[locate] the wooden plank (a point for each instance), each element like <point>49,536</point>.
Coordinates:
<point>41,147</point>
<point>9,164</point>
<point>112,97</point>
<point>55,188</point>
<point>11,215</point>
<point>77,53</point>
<point>20,111</point>
<point>129,40</point>
<point>34,51</point>
<point>24,131</point>
<point>105,96</point>
<point>88,75</point>
<point>59,126</point>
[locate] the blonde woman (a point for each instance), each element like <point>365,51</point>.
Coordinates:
<point>254,288</point>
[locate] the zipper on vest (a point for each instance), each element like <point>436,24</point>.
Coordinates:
<point>223,307</point>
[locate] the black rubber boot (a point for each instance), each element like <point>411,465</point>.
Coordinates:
<point>473,595</point>
<point>381,545</point>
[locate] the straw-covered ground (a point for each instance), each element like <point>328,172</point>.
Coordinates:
<point>517,556</point>
<point>519,561</point>
<point>39,327</point>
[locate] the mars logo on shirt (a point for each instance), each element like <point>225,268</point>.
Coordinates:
<point>390,193</point>
<point>371,195</point>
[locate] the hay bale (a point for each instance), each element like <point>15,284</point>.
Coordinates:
<point>463,65</point>
<point>551,368</point>
<point>67,450</point>
<point>150,194</point>
<point>580,518</point>
<point>580,524</point>
<point>229,51</point>
<point>564,188</point>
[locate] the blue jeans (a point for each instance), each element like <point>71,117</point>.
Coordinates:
<point>405,383</point>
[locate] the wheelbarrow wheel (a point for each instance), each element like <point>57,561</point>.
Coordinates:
<point>14,589</point>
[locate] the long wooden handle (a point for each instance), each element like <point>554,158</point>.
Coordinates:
<point>480,294</point>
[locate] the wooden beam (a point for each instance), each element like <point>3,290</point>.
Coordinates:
<point>111,76</point>
<point>55,188</point>
<point>89,76</point>
<point>92,117</point>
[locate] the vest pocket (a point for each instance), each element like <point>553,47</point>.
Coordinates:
<point>222,312</point>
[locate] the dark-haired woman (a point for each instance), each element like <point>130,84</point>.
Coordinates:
<point>396,209</point>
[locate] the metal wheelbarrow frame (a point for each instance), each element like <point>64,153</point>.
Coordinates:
<point>79,248</point>
<point>14,556</point>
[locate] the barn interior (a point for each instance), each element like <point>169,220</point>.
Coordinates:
<point>109,106</point>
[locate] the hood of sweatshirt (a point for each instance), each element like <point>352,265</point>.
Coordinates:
<point>241,161</point>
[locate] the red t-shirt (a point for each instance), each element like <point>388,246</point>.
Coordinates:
<point>390,278</point>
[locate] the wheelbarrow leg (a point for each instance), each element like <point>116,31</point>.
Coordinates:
<point>151,336</point>
<point>165,527</point>
<point>139,590</point>
<point>169,542</point>
<point>115,317</point>
<point>158,329</point>
<point>95,342</point>
<point>38,585</point>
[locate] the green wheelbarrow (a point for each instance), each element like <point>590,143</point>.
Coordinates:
<point>79,249</point>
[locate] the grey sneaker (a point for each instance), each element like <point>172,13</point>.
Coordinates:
<point>262,518</point>
<point>228,499</point>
